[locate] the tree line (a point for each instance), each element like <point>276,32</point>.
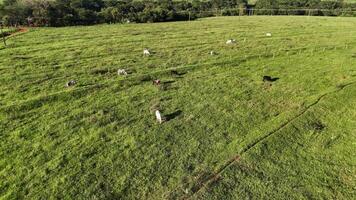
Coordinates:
<point>87,12</point>
<point>306,7</point>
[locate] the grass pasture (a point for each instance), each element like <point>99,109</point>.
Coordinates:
<point>7,32</point>
<point>228,135</point>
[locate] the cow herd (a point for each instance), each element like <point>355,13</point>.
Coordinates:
<point>147,52</point>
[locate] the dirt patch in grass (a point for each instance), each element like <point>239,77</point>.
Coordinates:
<point>14,32</point>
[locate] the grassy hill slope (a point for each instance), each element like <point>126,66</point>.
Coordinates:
<point>228,134</point>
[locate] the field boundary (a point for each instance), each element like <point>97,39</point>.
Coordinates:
<point>214,176</point>
<point>19,31</point>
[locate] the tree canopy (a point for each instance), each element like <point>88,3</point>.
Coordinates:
<point>86,12</point>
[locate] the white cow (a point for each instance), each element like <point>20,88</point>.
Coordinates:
<point>121,72</point>
<point>231,41</point>
<point>159,117</point>
<point>146,52</point>
<point>269,34</point>
<point>71,83</point>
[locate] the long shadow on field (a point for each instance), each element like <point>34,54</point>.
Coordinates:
<point>168,82</point>
<point>173,115</point>
<point>177,73</point>
<point>167,85</point>
<point>270,79</point>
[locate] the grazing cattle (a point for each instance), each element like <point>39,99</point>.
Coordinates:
<point>71,83</point>
<point>121,72</point>
<point>269,34</point>
<point>231,41</point>
<point>158,117</point>
<point>146,52</point>
<point>156,82</point>
<point>212,53</point>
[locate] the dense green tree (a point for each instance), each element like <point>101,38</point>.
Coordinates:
<point>94,5</point>
<point>86,12</point>
<point>14,12</point>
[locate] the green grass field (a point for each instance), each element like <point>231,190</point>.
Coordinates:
<point>7,31</point>
<point>228,135</point>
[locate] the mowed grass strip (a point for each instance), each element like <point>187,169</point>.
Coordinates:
<point>99,139</point>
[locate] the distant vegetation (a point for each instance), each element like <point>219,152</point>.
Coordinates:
<point>87,12</point>
<point>7,31</point>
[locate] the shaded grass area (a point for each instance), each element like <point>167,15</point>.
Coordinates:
<point>100,140</point>
<point>7,31</point>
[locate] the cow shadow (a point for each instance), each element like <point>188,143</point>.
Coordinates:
<point>177,73</point>
<point>270,79</point>
<point>173,115</point>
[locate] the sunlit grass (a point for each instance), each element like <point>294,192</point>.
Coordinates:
<point>99,139</point>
